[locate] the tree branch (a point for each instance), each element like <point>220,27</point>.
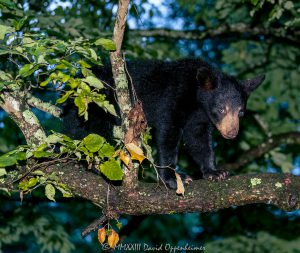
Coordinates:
<point>94,225</point>
<point>43,106</point>
<point>17,108</point>
<point>227,30</point>
<point>281,190</point>
<point>122,90</point>
<point>291,138</point>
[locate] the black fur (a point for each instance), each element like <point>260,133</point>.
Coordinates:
<point>184,100</point>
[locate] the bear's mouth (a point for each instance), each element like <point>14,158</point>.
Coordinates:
<point>229,137</point>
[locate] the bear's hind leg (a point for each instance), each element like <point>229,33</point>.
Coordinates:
<point>167,138</point>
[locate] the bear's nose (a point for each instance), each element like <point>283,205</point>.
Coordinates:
<point>232,133</point>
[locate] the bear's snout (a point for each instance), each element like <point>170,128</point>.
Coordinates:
<point>229,125</point>
<point>231,134</point>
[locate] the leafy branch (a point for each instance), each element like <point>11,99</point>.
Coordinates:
<point>291,138</point>
<point>223,31</point>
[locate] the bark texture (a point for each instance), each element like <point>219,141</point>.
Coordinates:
<point>14,103</point>
<point>281,190</point>
<point>121,85</point>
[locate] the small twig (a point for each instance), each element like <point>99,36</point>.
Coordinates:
<point>134,95</point>
<point>263,125</point>
<point>290,138</point>
<point>36,166</point>
<point>94,225</point>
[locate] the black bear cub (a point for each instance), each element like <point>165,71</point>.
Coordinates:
<point>185,100</point>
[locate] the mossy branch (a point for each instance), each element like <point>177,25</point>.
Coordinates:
<point>281,190</point>
<point>14,103</point>
<point>43,106</point>
<point>121,85</point>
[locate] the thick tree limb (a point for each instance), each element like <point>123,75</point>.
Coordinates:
<point>223,31</point>
<point>290,138</point>
<point>281,190</point>
<point>14,103</point>
<point>121,84</point>
<point>43,106</point>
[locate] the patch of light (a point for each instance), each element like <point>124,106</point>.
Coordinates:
<point>59,3</point>
<point>296,170</point>
<point>53,204</point>
<point>160,21</point>
<point>270,100</point>
<point>88,238</point>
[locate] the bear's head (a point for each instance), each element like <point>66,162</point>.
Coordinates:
<point>224,98</point>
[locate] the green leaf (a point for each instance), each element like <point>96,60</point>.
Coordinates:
<point>44,83</point>
<point>5,76</point>
<point>93,54</point>
<point>19,24</point>
<point>7,161</point>
<point>73,83</point>
<point>254,2</point>
<point>5,190</point>
<point>5,29</point>
<point>112,170</point>
<point>65,193</point>
<point>106,44</point>
<point>38,173</point>
<point>93,81</point>
<point>28,42</point>
<point>86,72</point>
<point>32,182</point>
<point>106,106</point>
<point>4,51</point>
<point>28,69</point>
<point>8,3</point>
<point>84,64</point>
<point>285,162</point>
<point>20,155</point>
<point>50,192</point>
<point>2,172</point>
<point>53,138</point>
<point>288,5</point>
<point>25,69</point>
<point>106,150</point>
<point>119,225</point>
<point>42,154</point>
<point>42,147</point>
<point>93,142</point>
<point>23,185</point>
<point>64,97</point>
<point>80,103</point>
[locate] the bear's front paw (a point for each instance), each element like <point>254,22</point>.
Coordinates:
<point>216,175</point>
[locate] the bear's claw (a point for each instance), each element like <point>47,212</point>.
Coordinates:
<point>216,175</point>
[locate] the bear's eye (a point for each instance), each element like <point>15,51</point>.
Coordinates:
<point>222,110</point>
<point>241,113</point>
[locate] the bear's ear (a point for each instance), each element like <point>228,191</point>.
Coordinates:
<point>204,78</point>
<point>251,84</point>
